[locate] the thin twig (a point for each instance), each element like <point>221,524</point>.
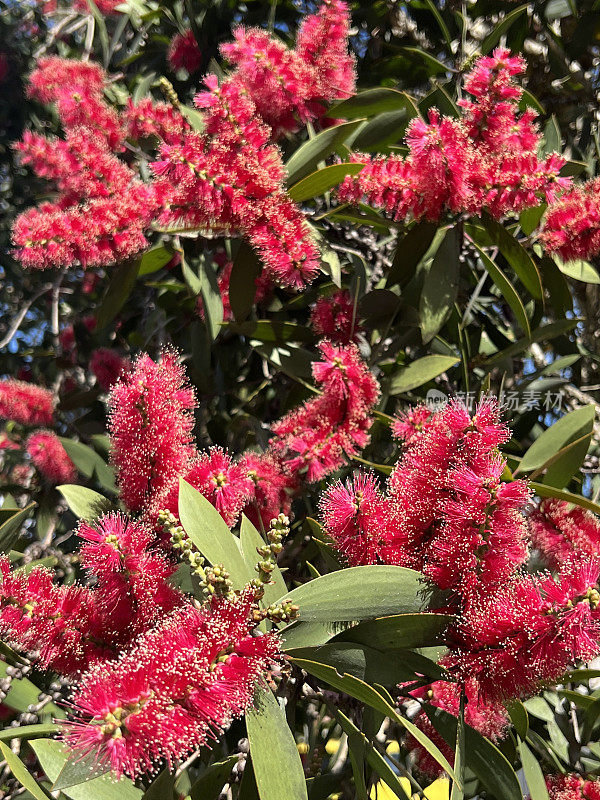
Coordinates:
<point>16,323</point>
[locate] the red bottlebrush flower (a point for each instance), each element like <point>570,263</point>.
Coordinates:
<point>25,403</point>
<point>50,458</point>
<point>230,180</point>
<point>6,443</point>
<point>358,517</point>
<point>53,73</point>
<point>225,484</point>
<point>147,118</point>
<point>151,422</point>
<point>561,531</point>
<point>318,437</point>
<point>80,106</point>
<point>489,718</point>
<point>334,317</point>
<point>179,685</point>
<point>107,366</point>
<point>486,160</point>
<point>184,52</point>
<point>105,7</point>
<point>528,634</point>
<point>410,424</point>
<point>572,787</point>
<point>571,225</point>
<point>271,488</point>
<point>132,592</point>
<point>289,86</point>
<point>59,622</point>
<point>322,42</point>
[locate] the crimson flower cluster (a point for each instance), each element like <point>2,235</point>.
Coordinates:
<point>227,180</point>
<point>572,787</point>
<point>157,675</point>
<point>29,406</point>
<point>449,513</point>
<point>151,430</point>
<point>486,159</point>
<point>334,317</point>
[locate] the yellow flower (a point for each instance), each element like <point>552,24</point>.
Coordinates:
<point>438,790</point>
<point>381,791</point>
<point>332,746</point>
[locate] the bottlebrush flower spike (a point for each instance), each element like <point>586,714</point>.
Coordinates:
<point>485,160</point>
<point>408,425</point>
<point>25,403</point>
<point>318,437</point>
<point>572,787</point>
<point>272,488</point>
<point>132,592</point>
<point>528,633</point>
<point>146,118</point>
<point>230,180</point>
<point>289,86</point>
<point>151,422</point>
<point>53,73</point>
<point>224,483</point>
<point>359,518</point>
<point>59,622</point>
<point>571,225</point>
<point>334,318</point>
<point>561,531</point>
<point>184,52</point>
<point>180,685</point>
<point>50,458</point>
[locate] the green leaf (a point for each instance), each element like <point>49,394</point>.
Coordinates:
<point>434,65</point>
<point>360,593</point>
<point>544,332</point>
<point>492,39</point>
<point>209,533</point>
<point>77,770</point>
<point>552,142</point>
<point>308,155</point>
<point>530,218</point>
<point>120,287</point>
<point>376,761</point>
<point>38,731</point>
<point>211,295</point>
<point>251,539</point>
<point>84,503</point>
<point>387,128</point>
<point>52,755</point>
<point>89,463</point>
<point>273,330</point>
<point>440,286</point>
<point>413,248</point>
<point>242,283</point>
<point>212,780</point>
<point>459,752</point>
<point>100,26</point>
<point>518,717</point>
<point>24,693</point>
<point>419,372</point>
<point>367,663</point>
<point>560,494</point>
<point>154,259</point>
<point>532,772</point>
<point>194,117</point>
<point>481,756</point>
<point>22,774</point>
<point>161,787</point>
<point>308,634</point>
<point>277,767</point>
<point>321,181</point>
<point>294,361</point>
<point>570,427</point>
<point>507,290</point>
<point>370,103</point>
<point>516,255</point>
<point>578,270</point>
<point>398,631</point>
<point>367,694</point>
<point>193,281</point>
<point>10,530</point>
